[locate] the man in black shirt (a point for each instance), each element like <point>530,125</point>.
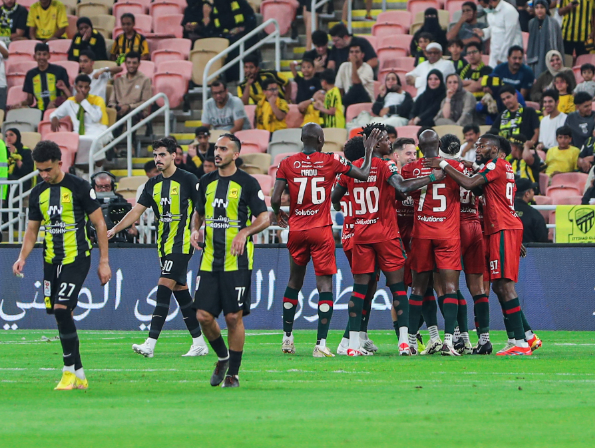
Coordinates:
<point>252,88</point>
<point>307,83</point>
<point>13,21</point>
<point>516,119</point>
<point>320,53</point>
<point>525,161</point>
<point>475,70</point>
<point>342,40</point>
<point>534,228</point>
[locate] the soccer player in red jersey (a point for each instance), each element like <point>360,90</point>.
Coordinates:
<point>310,175</point>
<point>503,226</point>
<point>435,244</point>
<point>376,239</point>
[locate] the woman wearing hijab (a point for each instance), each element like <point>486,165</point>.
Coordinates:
<point>393,105</point>
<point>431,25</point>
<point>427,105</point>
<point>20,162</point>
<point>87,38</point>
<point>544,35</point>
<point>555,65</point>
<point>458,106</point>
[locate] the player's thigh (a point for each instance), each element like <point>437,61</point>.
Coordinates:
<point>390,255</point>
<point>298,246</point>
<point>472,250</point>
<point>322,248</point>
<point>364,259</point>
<point>422,255</point>
<point>70,280</point>
<point>50,285</point>
<point>208,294</point>
<point>175,267</point>
<point>234,287</point>
<point>505,254</point>
<point>348,250</point>
<point>447,254</point>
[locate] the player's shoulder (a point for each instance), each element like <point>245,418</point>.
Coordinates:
<point>39,188</point>
<point>209,177</point>
<point>336,156</point>
<point>75,183</point>
<point>244,178</point>
<point>187,176</point>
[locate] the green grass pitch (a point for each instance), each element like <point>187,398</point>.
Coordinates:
<point>547,400</point>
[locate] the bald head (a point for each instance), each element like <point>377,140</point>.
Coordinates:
<point>429,142</point>
<point>312,136</point>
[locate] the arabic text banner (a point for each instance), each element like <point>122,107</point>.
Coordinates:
<point>555,292</point>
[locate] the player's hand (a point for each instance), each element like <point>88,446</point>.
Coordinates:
<point>523,251</point>
<point>18,266</point>
<point>195,239</point>
<point>467,163</point>
<point>370,142</point>
<point>111,233</point>
<point>104,272</point>
<point>439,174</point>
<point>239,243</point>
<point>283,219</point>
<point>434,162</point>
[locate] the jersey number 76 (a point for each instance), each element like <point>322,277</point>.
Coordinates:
<point>318,193</point>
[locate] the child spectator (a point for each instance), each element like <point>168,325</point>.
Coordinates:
<point>455,48</point>
<point>271,110</point>
<point>588,85</point>
<point>564,157</point>
<point>392,133</point>
<point>307,83</point>
<point>332,108</point>
<point>420,55</point>
<point>562,86</point>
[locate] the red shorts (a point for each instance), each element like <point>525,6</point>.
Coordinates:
<point>439,254</point>
<point>505,254</point>
<point>408,277</point>
<point>388,255</point>
<point>317,243</point>
<point>486,261</point>
<point>472,247</point>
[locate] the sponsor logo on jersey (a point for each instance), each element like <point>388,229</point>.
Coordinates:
<point>297,164</point>
<point>222,222</point>
<point>218,202</point>
<point>468,210</point>
<point>54,210</point>
<point>371,179</point>
<point>165,201</point>
<point>299,212</point>
<point>365,222</point>
<point>169,217</point>
<point>59,228</point>
<point>431,218</point>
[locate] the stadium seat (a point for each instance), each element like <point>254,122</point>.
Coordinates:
<point>281,156</point>
<point>334,139</point>
<point>258,161</point>
<point>163,9</point>
<point>266,183</point>
<point>45,127</point>
<point>112,115</point>
<point>182,46</point>
<point>128,186</point>
<point>281,147</point>
<point>281,10</point>
<point>71,30</point>
<point>288,135</point>
<point>570,179</point>
<point>18,70</point>
<point>105,21</point>
<point>72,68</point>
<point>165,56</point>
<point>525,40</point>
<point>25,115</point>
<point>561,191</point>
<point>543,200</point>
<point>355,109</point>
<point>484,129</point>
<point>181,3</point>
<point>544,181</point>
<point>217,44</point>
<point>147,68</point>
<point>173,85</point>
<point>27,3</point>
<point>258,136</point>
<point>372,39</point>
<point>383,29</point>
<point>200,58</point>
<point>568,200</point>
<point>415,6</point>
<point>15,96</point>
<point>90,9</point>
<point>59,50</point>
<point>169,25</point>
<point>408,131</point>
<point>22,46</point>
<point>20,125</point>
<point>68,143</point>
<point>183,68</point>
<point>453,6</point>
<point>450,129</point>
<point>585,59</point>
<point>250,148</point>
<point>250,113</point>
<point>70,6</point>
<point>16,58</point>
<point>389,57</point>
<point>215,134</point>
<point>124,7</point>
<point>294,117</point>
<point>30,139</point>
<point>397,41</point>
<point>402,18</point>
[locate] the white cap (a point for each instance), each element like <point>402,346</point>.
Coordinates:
<point>434,45</point>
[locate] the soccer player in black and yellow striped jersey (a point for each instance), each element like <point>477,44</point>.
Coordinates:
<point>253,86</point>
<point>172,195</point>
<point>228,198</point>
<point>63,204</point>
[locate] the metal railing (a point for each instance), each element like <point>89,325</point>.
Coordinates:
<point>315,6</point>
<point>275,35</point>
<point>349,11</point>
<point>96,152</point>
<point>14,208</point>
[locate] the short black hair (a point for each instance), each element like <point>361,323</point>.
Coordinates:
<point>450,144</point>
<point>563,76</point>
<point>328,76</point>
<point>82,78</point>
<point>504,145</point>
<point>150,166</point>
<point>354,45</point>
<point>391,129</point>
<point>252,58</point>
<point>470,127</point>
<point>42,47</point>
<point>132,55</point>
<point>552,94</point>
<point>218,83</point>
<point>588,66</point>
<point>202,130</point>
<point>210,159</point>
<point>457,42</point>
<point>268,81</point>
<point>564,130</point>
<point>308,61</point>
<point>339,30</point>
<point>354,148</point>
<point>475,45</point>
<point>320,38</point>
<point>471,5</point>
<point>128,15</point>
<point>582,97</point>
<point>234,139</point>
<point>492,138</point>
<point>515,48</point>
<point>45,151</point>
<point>88,53</point>
<point>401,142</point>
<point>367,130</point>
<point>507,88</point>
<point>426,35</point>
<point>168,143</point>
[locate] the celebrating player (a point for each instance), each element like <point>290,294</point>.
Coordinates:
<point>435,244</point>
<point>376,239</point>
<point>63,204</point>
<point>227,200</point>
<point>503,226</point>
<point>310,175</point>
<point>172,195</point>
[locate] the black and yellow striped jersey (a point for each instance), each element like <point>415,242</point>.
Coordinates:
<point>576,24</point>
<point>173,200</point>
<point>257,91</point>
<point>63,210</point>
<point>227,204</point>
<point>332,98</point>
<point>42,84</point>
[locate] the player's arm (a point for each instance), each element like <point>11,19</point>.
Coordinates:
<point>336,196</point>
<point>468,183</point>
<point>404,186</point>
<point>131,217</point>
<point>28,244</point>
<point>370,143</point>
<point>282,218</point>
<point>260,223</point>
<point>104,271</point>
<point>197,221</point>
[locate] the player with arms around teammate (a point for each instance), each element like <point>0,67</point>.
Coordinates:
<point>503,226</point>
<point>172,195</point>
<point>376,239</point>
<point>63,204</point>
<point>310,175</point>
<point>435,244</point>
<point>228,198</point>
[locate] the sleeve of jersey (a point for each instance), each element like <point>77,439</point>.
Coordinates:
<point>145,196</point>
<point>390,169</point>
<point>489,172</point>
<point>88,198</point>
<point>199,205</point>
<point>34,212</point>
<point>281,172</point>
<point>341,164</point>
<point>256,199</point>
<point>193,185</point>
<point>342,181</point>
<point>405,172</point>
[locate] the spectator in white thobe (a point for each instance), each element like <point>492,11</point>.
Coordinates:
<point>419,76</point>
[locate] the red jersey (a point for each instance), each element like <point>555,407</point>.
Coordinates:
<point>311,178</point>
<point>347,210</point>
<point>437,205</point>
<point>405,215</point>
<point>498,193</point>
<point>469,202</point>
<point>373,203</point>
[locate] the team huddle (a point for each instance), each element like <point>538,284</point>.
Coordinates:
<point>417,221</point>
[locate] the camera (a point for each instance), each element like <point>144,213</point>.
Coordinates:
<point>113,208</point>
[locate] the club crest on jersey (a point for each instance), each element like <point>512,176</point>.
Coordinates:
<point>66,198</point>
<point>233,193</point>
<point>174,190</point>
<point>491,166</point>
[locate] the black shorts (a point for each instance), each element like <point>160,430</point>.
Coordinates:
<point>62,283</point>
<point>223,291</point>
<point>175,267</point>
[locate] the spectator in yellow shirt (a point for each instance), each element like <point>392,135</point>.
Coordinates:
<point>564,157</point>
<point>271,110</point>
<point>331,106</point>
<point>47,20</point>
<point>562,85</point>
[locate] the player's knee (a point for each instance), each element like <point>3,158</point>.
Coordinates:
<point>204,317</point>
<point>232,320</point>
